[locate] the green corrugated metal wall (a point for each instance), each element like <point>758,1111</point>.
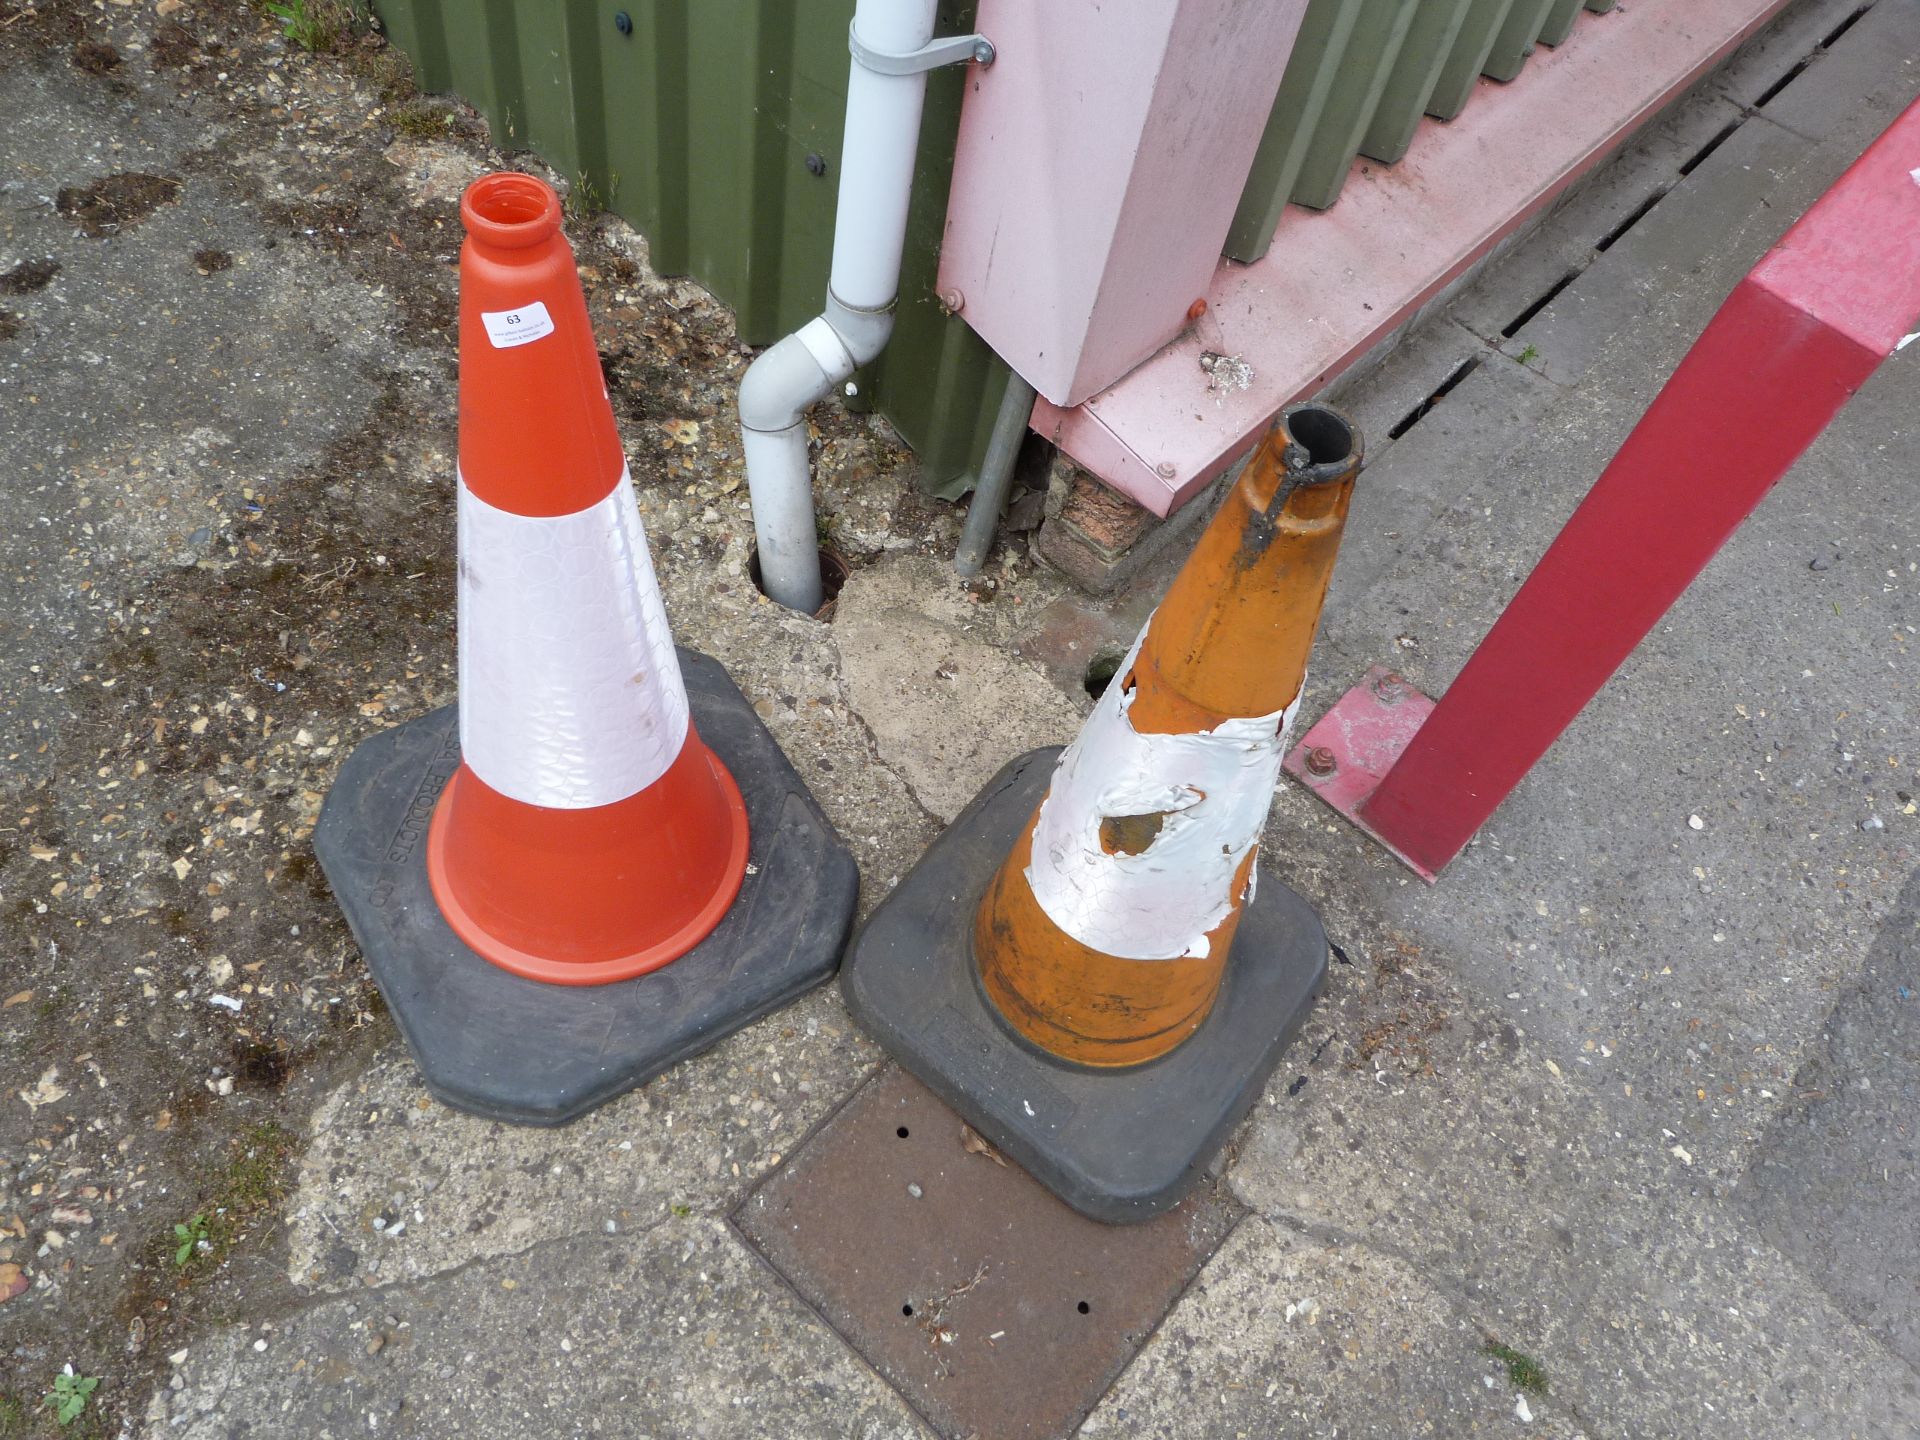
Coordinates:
<point>696,125</point>
<point>1361,75</point>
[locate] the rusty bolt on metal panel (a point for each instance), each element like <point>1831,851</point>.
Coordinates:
<point>1390,690</point>
<point>1321,761</point>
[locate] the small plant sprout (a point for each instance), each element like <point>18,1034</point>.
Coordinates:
<point>311,24</point>
<point>69,1395</point>
<point>1528,355</point>
<point>188,1238</point>
<point>583,200</point>
<point>293,19</point>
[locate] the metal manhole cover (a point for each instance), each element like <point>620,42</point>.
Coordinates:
<point>993,1308</point>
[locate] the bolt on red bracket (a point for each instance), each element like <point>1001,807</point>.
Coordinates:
<point>1798,336</point>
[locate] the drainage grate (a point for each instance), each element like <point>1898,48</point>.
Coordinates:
<point>993,1308</point>
<point>1726,133</point>
<point>1640,212</point>
<point>1537,304</point>
<point>1785,80</point>
<point>1844,26</point>
<point>1440,392</point>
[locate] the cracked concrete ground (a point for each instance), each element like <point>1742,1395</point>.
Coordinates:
<point>1631,1098</point>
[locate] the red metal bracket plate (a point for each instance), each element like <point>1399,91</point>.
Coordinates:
<point>1361,737</point>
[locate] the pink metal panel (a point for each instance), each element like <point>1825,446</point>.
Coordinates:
<point>1798,336</point>
<point>1099,162</point>
<point>1337,282</point>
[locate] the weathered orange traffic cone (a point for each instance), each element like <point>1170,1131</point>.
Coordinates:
<point>591,821</point>
<point>1082,965</point>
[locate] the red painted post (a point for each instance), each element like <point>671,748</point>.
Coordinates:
<point>1798,336</point>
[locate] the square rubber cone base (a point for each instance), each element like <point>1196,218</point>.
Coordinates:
<point>1118,1145</point>
<point>510,1049</point>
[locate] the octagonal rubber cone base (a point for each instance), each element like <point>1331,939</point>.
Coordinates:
<point>496,1045</point>
<point>1118,1145</point>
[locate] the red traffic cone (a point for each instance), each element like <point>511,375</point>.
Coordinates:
<point>588,834</point>
<point>581,832</point>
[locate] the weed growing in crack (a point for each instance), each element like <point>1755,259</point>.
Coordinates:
<point>584,200</point>
<point>252,1183</point>
<point>312,24</point>
<point>1523,1370</point>
<point>69,1395</point>
<point>188,1238</point>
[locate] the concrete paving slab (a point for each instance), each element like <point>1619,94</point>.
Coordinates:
<point>946,702</point>
<point>1647,298</point>
<point>1420,364</point>
<point>397,1187</point>
<point>1773,56</point>
<point>1436,1131</point>
<point>1457,461</point>
<point>676,1331</point>
<point>793,669</point>
<point>1686,877</point>
<point>1865,77</point>
<point>1289,1334</point>
<point>1753,184</point>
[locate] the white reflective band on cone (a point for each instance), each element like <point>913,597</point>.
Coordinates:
<point>1212,787</point>
<point>570,693</point>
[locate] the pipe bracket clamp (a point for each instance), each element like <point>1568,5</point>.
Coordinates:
<point>947,50</point>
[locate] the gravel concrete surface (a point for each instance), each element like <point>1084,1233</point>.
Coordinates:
<point>1609,1134</point>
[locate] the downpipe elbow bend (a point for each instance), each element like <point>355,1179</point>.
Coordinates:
<point>774,396</point>
<point>800,369</point>
<point>780,384</point>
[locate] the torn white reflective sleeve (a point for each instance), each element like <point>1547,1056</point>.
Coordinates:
<point>570,693</point>
<point>1210,792</point>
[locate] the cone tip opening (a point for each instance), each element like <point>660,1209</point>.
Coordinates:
<point>1328,436</point>
<point>510,209</point>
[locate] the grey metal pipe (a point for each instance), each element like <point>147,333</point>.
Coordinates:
<point>996,474</point>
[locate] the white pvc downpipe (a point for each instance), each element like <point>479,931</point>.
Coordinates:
<point>869,232</point>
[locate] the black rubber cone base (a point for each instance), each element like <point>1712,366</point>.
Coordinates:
<point>494,1044</point>
<point>1118,1145</point>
